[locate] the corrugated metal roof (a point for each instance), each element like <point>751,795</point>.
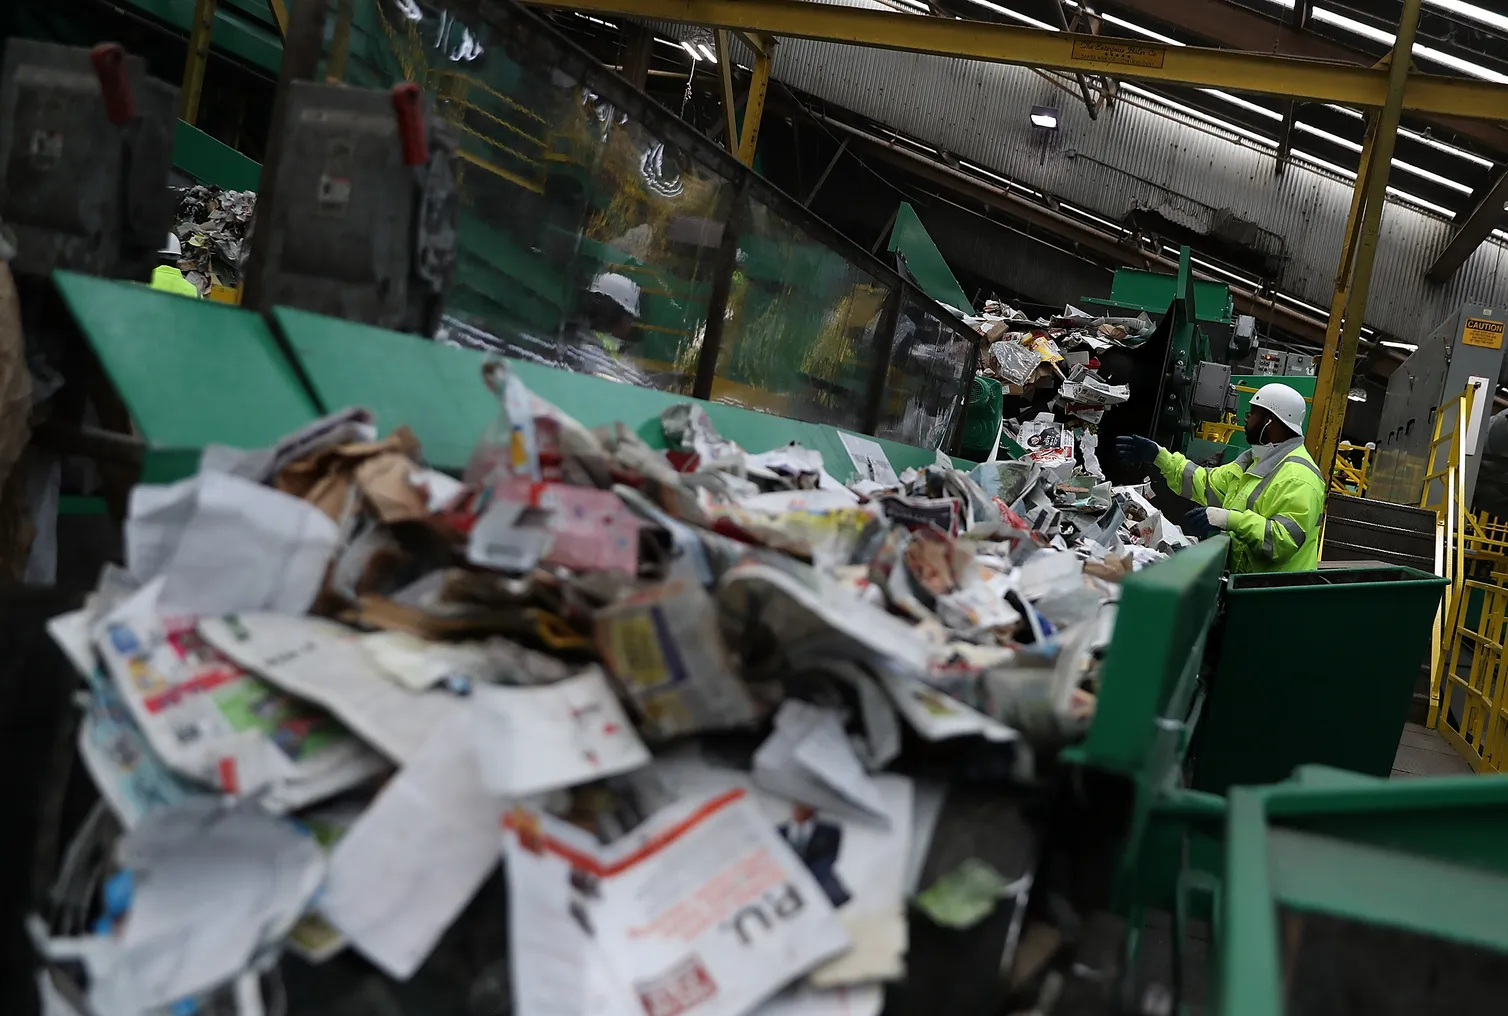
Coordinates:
<point>1135,157</point>
<point>1143,155</point>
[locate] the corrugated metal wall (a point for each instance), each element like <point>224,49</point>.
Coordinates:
<point>1137,158</point>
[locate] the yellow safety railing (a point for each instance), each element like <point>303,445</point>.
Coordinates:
<point>1480,694</point>
<point>1487,539</point>
<point>1445,493</point>
<point>1352,470</point>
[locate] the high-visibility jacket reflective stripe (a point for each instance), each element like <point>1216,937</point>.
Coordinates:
<point>1275,504</point>
<point>171,280</point>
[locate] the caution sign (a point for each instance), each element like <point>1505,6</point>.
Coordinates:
<point>1125,54</point>
<point>1482,332</point>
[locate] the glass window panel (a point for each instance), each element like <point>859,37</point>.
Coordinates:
<point>587,239</point>
<point>929,362</point>
<point>801,328</point>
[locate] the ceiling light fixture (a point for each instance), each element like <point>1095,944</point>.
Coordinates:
<point>1407,167</point>
<point>1357,395</point>
<point>1045,117</point>
<point>1236,100</point>
<point>689,48</point>
<point>1366,31</point>
<point>1471,12</point>
<point>1190,111</point>
<point>707,51</point>
<point>1139,30</point>
<point>1015,15</point>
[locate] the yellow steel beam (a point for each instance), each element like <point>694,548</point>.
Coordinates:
<point>753,40</point>
<point>279,11</point>
<point>1266,73</point>
<point>340,42</point>
<point>1325,380</point>
<point>759,85</point>
<point>725,71</point>
<point>196,60</point>
<point>1355,276</point>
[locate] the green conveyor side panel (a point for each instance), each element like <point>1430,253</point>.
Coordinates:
<point>925,261</point>
<point>1152,662</point>
<point>195,372</point>
<point>1154,291</point>
<point>438,391</point>
<point>1362,882</point>
<point>192,372</point>
<point>243,28</point>
<point>211,161</point>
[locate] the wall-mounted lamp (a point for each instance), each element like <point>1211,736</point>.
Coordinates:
<point>1045,117</point>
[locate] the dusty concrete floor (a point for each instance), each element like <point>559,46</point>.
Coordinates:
<point>1423,752</point>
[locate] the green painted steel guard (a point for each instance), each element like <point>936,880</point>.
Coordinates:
<point>1150,701</point>
<point>1290,687</point>
<point>1426,857</point>
<point>192,372</point>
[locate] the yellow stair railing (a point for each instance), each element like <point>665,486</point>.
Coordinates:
<point>1444,493</point>
<point>1352,470</point>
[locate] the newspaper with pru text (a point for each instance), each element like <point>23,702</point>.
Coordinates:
<point>703,910</point>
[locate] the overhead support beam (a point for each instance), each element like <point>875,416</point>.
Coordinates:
<point>725,72</point>
<point>279,11</point>
<point>196,61</point>
<point>755,42</point>
<point>340,42</point>
<point>1285,138</point>
<point>1354,276</point>
<point>1264,73</point>
<point>1489,213</point>
<point>1094,113</point>
<point>639,44</point>
<point>1300,20</point>
<point>828,171</point>
<point>759,86</point>
<point>1226,24</point>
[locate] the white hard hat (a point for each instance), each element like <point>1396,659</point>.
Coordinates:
<point>172,248</point>
<point>620,289</point>
<point>1282,402</point>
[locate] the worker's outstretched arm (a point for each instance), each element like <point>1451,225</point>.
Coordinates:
<point>1293,507</point>
<point>1196,482</point>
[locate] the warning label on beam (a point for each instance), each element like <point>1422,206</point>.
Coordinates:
<point>1126,54</point>
<point>1484,333</point>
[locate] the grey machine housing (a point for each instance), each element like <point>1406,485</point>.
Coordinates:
<point>1460,348</point>
<point>77,191</point>
<point>356,233</point>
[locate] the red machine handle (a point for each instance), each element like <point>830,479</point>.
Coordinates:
<point>408,105</point>
<point>110,65</point>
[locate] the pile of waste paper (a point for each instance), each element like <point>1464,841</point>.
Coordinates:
<point>211,224</point>
<point>334,688</point>
<point>1058,352</point>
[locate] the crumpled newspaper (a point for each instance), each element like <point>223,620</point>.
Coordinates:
<point>212,224</point>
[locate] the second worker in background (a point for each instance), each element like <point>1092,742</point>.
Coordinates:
<point>1269,500</point>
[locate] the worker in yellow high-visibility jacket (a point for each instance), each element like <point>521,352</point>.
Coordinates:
<point>166,275</point>
<point>1269,500</point>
